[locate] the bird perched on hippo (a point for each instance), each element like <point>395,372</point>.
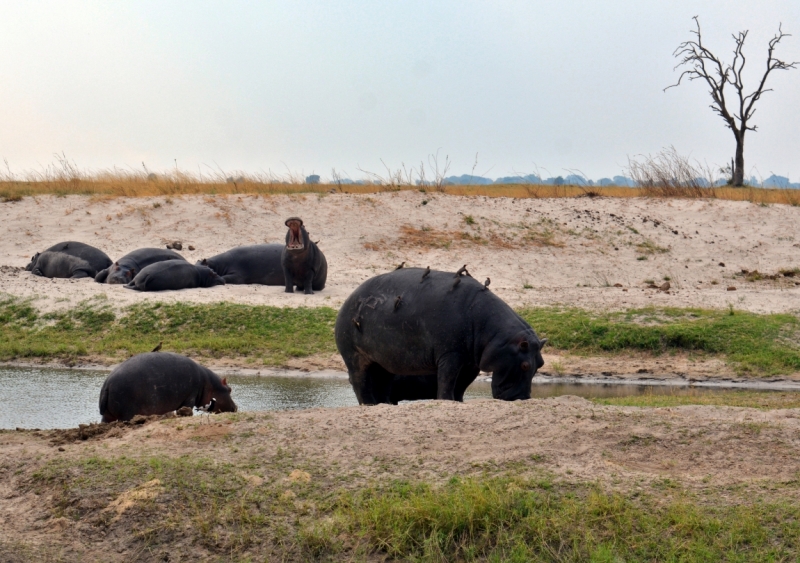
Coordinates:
<point>304,265</point>
<point>125,269</point>
<point>87,261</point>
<point>173,275</point>
<point>254,263</point>
<point>426,334</point>
<point>158,383</point>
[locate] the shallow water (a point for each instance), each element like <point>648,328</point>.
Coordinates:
<point>64,398</point>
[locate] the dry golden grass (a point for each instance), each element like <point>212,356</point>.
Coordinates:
<point>109,186</point>
<point>428,238</point>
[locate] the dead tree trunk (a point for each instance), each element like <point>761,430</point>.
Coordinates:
<point>704,65</point>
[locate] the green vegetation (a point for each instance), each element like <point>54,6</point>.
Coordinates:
<point>750,399</point>
<point>752,343</point>
<point>230,510</point>
<point>270,335</point>
<point>756,344</point>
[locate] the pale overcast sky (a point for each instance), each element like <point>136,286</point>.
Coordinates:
<point>255,86</point>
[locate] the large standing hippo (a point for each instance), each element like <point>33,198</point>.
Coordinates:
<point>126,268</point>
<point>158,383</point>
<point>96,258</point>
<point>174,274</point>
<point>255,263</point>
<point>303,263</point>
<point>437,329</point>
<point>58,265</point>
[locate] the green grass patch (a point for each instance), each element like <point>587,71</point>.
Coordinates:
<point>754,344</point>
<point>502,519</point>
<point>271,334</point>
<point>751,399</point>
<point>492,518</point>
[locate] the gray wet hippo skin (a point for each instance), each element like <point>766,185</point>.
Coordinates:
<point>172,275</point>
<point>158,383</point>
<point>255,263</point>
<point>57,265</point>
<point>304,265</point>
<point>96,258</point>
<point>125,269</point>
<point>423,334</point>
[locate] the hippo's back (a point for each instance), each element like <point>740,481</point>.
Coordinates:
<point>96,258</point>
<point>151,383</point>
<point>255,263</point>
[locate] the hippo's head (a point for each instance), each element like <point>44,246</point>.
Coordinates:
<point>221,391</point>
<point>513,364</point>
<point>209,277</point>
<point>118,274</point>
<point>296,236</point>
<point>35,257</point>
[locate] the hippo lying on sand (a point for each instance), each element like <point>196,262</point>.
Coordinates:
<point>439,330</point>
<point>303,263</point>
<point>126,268</point>
<point>158,383</point>
<point>94,257</point>
<point>57,265</point>
<point>255,263</point>
<point>174,274</point>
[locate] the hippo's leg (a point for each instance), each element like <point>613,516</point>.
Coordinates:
<point>447,371</point>
<point>108,417</point>
<point>37,272</point>
<point>287,275</point>
<point>307,282</point>
<point>465,379</point>
<point>372,385</point>
<point>81,274</point>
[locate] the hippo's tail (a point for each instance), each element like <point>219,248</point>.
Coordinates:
<point>132,286</point>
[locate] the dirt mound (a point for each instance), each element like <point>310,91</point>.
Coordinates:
<point>105,429</point>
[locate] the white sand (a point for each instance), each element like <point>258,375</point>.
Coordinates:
<point>580,273</point>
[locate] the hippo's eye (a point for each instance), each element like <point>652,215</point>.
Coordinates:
<point>526,366</point>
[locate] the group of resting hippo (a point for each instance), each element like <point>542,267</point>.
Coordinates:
<point>298,263</point>
<point>408,334</point>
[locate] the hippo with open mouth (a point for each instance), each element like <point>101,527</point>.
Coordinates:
<point>424,334</point>
<point>303,263</point>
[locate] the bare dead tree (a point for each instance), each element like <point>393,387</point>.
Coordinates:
<point>704,65</point>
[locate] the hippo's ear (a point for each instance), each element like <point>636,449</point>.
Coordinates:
<point>523,345</point>
<point>225,381</point>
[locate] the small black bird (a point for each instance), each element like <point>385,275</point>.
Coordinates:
<point>157,348</point>
<point>397,302</point>
<point>486,283</point>
<point>427,271</point>
<point>209,408</point>
<point>462,270</point>
<point>403,263</point>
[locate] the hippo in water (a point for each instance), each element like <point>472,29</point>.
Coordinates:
<point>57,265</point>
<point>174,274</point>
<point>96,258</point>
<point>255,263</point>
<point>423,334</point>
<point>125,269</point>
<point>158,383</point>
<point>303,263</point>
